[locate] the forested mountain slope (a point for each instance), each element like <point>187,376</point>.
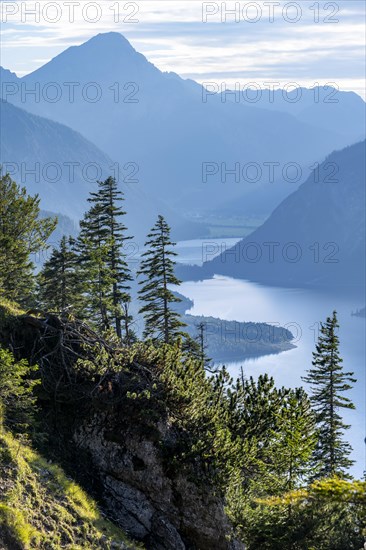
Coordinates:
<point>316,236</point>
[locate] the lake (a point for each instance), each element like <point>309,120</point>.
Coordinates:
<point>299,310</point>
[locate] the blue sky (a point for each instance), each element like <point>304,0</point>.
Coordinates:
<point>323,44</point>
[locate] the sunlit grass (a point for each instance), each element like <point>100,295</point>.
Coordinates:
<point>40,507</point>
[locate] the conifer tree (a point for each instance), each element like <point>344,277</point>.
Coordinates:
<point>201,340</point>
<point>58,282</point>
<point>191,347</point>
<point>22,233</point>
<point>256,407</point>
<point>328,383</point>
<point>279,425</point>
<point>17,401</point>
<point>295,438</point>
<point>93,270</point>
<point>113,233</point>
<point>197,346</point>
<point>162,322</point>
<point>103,264</point>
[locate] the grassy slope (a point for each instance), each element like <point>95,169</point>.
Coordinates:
<point>40,507</point>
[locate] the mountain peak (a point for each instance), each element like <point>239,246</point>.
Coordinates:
<point>114,39</point>
<point>104,56</point>
<point>106,44</point>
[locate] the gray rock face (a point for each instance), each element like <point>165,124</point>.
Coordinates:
<point>166,512</point>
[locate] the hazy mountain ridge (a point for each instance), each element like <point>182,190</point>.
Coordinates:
<point>313,236</point>
<point>323,106</point>
<point>66,167</point>
<point>161,122</point>
<point>34,143</point>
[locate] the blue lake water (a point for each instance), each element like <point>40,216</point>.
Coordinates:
<point>299,310</point>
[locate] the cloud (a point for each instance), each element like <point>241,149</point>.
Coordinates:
<point>173,36</point>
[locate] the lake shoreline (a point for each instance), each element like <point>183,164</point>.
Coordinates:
<point>301,311</point>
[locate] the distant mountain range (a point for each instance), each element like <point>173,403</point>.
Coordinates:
<point>135,113</point>
<point>50,159</point>
<point>316,236</point>
<point>322,106</point>
<point>60,165</point>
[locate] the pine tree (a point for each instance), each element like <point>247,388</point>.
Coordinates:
<point>278,424</point>
<point>328,382</point>
<point>93,269</point>
<point>113,231</point>
<point>17,401</point>
<point>162,322</point>
<point>256,407</point>
<point>197,346</point>
<point>58,282</point>
<point>202,343</point>
<point>22,233</point>
<point>295,438</point>
<point>106,271</point>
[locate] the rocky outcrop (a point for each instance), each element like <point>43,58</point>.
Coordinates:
<point>126,450</point>
<point>164,509</point>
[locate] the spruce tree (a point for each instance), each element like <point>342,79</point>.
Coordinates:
<point>22,233</point>
<point>328,383</point>
<point>103,264</point>
<point>58,282</point>
<point>103,261</point>
<point>162,322</point>
<point>113,232</point>
<point>93,269</point>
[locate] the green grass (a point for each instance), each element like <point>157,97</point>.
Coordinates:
<point>41,508</point>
